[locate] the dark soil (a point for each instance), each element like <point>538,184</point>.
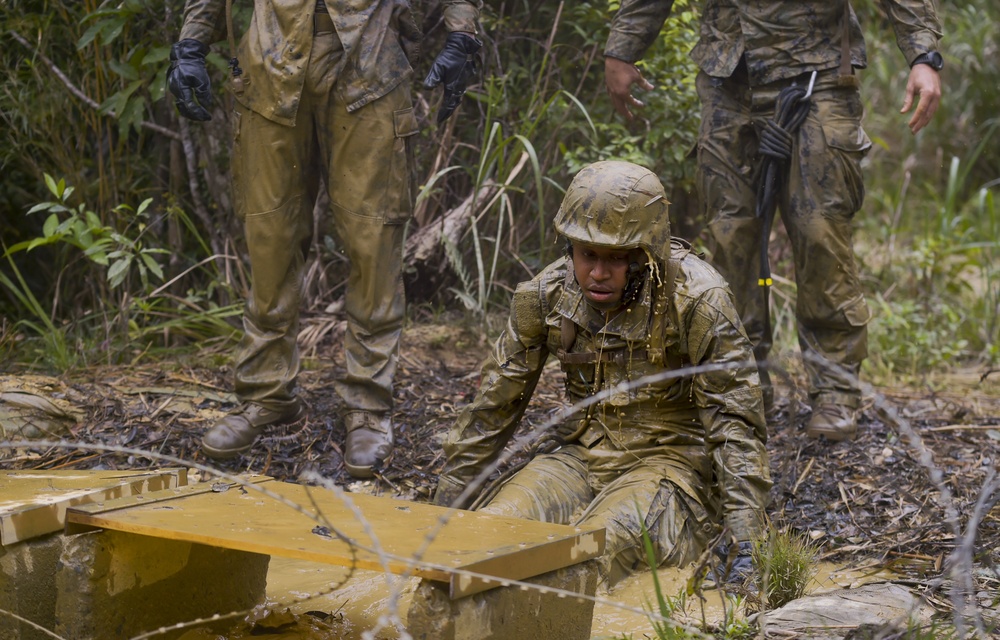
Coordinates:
<point>871,500</point>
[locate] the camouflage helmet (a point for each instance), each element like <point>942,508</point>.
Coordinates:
<point>616,204</point>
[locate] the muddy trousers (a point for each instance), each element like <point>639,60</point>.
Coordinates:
<point>822,191</point>
<point>361,158</point>
<point>556,488</point>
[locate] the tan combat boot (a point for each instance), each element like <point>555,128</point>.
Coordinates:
<point>835,422</point>
<point>236,433</point>
<point>369,441</point>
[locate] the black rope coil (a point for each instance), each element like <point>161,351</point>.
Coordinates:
<point>776,143</point>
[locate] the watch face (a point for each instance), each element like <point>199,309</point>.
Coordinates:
<point>937,62</point>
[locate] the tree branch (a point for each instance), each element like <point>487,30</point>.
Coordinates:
<point>152,126</point>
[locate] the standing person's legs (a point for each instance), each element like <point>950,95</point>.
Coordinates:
<point>825,191</point>
<point>369,185</point>
<point>727,157</point>
<point>273,197</point>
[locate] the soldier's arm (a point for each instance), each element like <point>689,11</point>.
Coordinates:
<point>731,409</point>
<point>918,31</point>
<point>509,377</point>
<point>461,15</point>
<point>633,29</point>
<point>204,21</point>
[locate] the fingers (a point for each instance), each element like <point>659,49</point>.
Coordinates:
<point>433,78</point>
<point>190,109</point>
<point>924,84</point>
<point>619,77</point>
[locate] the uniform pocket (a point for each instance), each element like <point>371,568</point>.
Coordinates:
<point>857,312</point>
<point>404,126</point>
<point>847,142</point>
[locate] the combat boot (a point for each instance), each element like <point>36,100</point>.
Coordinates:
<point>835,422</point>
<point>369,441</point>
<point>236,432</point>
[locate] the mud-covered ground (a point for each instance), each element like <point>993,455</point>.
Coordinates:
<point>873,502</point>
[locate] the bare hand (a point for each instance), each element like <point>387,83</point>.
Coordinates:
<point>619,76</point>
<point>924,83</point>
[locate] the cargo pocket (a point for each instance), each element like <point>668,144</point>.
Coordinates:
<point>849,144</point>
<point>404,125</point>
<point>857,313</point>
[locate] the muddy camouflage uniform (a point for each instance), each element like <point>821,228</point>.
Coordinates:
<point>681,453</point>
<point>747,53</point>
<point>326,102</point>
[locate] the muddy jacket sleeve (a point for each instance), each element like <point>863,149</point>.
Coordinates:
<point>461,15</point>
<point>634,28</point>
<point>509,377</point>
<point>729,402</point>
<point>204,20</point>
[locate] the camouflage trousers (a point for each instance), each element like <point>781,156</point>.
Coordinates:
<point>362,159</point>
<point>558,488</point>
<point>822,191</point>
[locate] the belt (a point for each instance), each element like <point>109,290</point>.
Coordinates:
<point>322,22</point>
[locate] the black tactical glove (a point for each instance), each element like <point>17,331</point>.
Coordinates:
<point>735,564</point>
<point>187,79</point>
<point>455,66</point>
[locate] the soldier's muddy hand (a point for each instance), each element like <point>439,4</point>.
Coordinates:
<point>447,492</point>
<point>455,66</point>
<point>735,566</point>
<point>619,76</point>
<point>187,79</point>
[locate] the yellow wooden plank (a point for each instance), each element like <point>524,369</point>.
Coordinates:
<point>313,523</point>
<point>33,503</point>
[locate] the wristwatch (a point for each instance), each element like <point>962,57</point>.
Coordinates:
<point>932,59</point>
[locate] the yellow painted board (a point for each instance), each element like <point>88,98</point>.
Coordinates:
<point>33,503</point>
<point>297,521</point>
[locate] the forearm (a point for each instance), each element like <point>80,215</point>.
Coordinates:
<point>461,15</point>
<point>485,426</point>
<point>730,404</point>
<point>635,27</point>
<point>204,21</point>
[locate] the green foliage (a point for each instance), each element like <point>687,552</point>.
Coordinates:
<point>131,298</point>
<point>784,562</point>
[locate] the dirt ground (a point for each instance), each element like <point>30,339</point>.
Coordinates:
<point>874,502</point>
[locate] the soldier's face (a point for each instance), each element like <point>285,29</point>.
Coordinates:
<point>602,273</point>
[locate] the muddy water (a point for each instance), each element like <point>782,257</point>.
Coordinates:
<point>363,602</point>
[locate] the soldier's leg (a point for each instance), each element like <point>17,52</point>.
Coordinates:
<point>551,488</point>
<point>825,191</point>
<point>371,198</point>
<point>727,155</point>
<point>679,527</point>
<point>272,195</point>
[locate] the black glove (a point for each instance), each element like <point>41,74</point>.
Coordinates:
<point>735,564</point>
<point>455,66</point>
<point>187,79</point>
